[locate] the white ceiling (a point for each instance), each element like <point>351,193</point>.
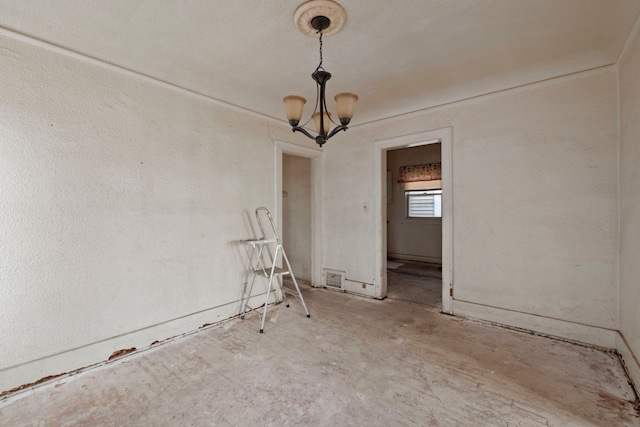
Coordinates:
<point>398,56</point>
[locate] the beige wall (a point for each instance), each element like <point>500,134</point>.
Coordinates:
<point>534,203</point>
<point>629,346</point>
<point>296,214</point>
<point>121,204</point>
<point>411,238</point>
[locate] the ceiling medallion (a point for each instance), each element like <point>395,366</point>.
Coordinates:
<point>327,8</point>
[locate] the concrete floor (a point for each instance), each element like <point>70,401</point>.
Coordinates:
<point>415,282</point>
<point>356,361</point>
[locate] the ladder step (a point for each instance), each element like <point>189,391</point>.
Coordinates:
<point>256,242</point>
<point>267,270</point>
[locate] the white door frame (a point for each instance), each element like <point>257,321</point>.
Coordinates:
<point>317,208</point>
<point>380,149</point>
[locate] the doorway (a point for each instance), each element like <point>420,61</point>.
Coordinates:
<point>381,147</point>
<point>414,225</point>
<point>296,213</point>
<point>299,208</point>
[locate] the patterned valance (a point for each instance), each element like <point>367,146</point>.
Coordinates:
<point>426,172</point>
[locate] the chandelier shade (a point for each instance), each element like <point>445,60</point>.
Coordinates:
<point>294,105</point>
<point>345,103</point>
<point>326,121</point>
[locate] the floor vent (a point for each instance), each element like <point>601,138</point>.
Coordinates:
<point>334,279</point>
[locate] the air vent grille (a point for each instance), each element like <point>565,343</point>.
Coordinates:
<point>334,279</point>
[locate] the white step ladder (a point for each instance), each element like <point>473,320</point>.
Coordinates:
<point>263,255</point>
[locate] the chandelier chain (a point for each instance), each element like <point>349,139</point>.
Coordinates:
<point>320,64</point>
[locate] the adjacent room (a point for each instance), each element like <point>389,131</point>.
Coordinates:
<point>414,224</point>
<point>455,187</point>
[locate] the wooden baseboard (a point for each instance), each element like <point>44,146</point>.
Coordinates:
<point>575,332</point>
<point>419,258</point>
<point>630,360</point>
<point>56,367</point>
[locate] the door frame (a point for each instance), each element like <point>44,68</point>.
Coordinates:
<point>380,148</point>
<point>317,207</point>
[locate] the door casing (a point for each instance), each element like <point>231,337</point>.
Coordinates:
<point>380,148</point>
<point>317,208</point>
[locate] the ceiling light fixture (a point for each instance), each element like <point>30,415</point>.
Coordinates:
<point>317,18</point>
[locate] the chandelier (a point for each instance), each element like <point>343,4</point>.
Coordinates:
<point>315,18</point>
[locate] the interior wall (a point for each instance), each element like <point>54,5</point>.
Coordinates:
<point>418,239</point>
<point>348,237</point>
<point>629,70</point>
<point>534,203</point>
<point>122,201</point>
<point>296,213</point>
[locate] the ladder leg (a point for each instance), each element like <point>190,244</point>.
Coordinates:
<point>245,300</point>
<point>266,303</point>
<point>279,286</point>
<point>295,283</point>
<point>282,292</point>
<point>250,271</point>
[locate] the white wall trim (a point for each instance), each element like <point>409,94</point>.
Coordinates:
<point>629,40</point>
<point>587,334</point>
<point>96,354</point>
<point>317,201</point>
<point>135,74</point>
<point>483,95</point>
<point>419,258</point>
<point>380,148</point>
<point>631,362</point>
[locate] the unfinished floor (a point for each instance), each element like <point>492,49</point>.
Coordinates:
<point>413,281</point>
<point>356,362</point>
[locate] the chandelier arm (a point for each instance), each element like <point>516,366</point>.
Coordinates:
<point>304,131</point>
<point>315,107</point>
<point>307,122</point>
<point>336,130</point>
<point>332,119</point>
<point>323,108</point>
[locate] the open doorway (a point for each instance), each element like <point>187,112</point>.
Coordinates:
<point>299,208</point>
<point>296,214</point>
<point>414,225</point>
<point>444,194</point>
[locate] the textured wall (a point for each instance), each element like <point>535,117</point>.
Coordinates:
<point>534,198</point>
<point>296,214</point>
<point>348,240</point>
<point>419,239</point>
<point>630,204</point>
<point>120,201</point>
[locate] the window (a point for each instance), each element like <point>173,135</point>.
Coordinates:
<point>424,204</point>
